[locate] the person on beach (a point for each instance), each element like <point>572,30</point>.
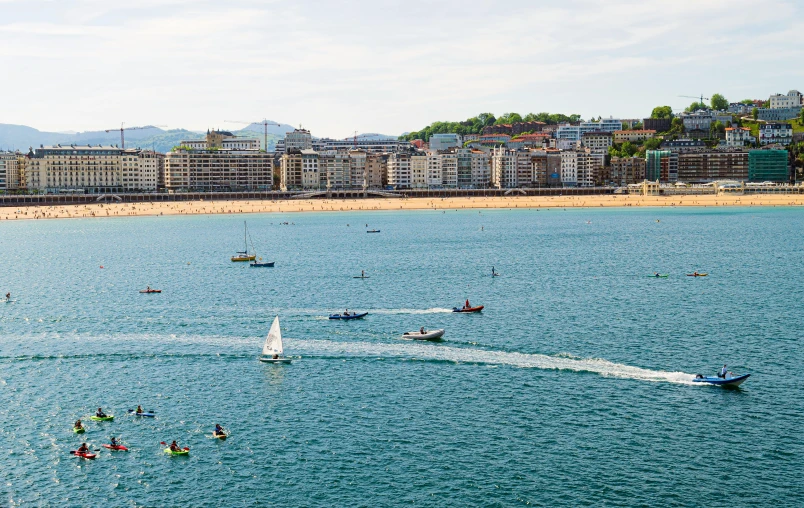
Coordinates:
<point>723,372</point>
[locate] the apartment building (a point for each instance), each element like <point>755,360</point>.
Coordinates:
<point>292,171</point>
<point>793,99</point>
<point>480,168</point>
<point>334,170</point>
<point>591,168</point>
<point>435,176</point>
<point>712,165</point>
<point>399,170</point>
<point>376,170</point>
<point>546,167</point>
<point>597,141</point>
<point>504,168</point>
<point>218,170</point>
<point>775,133</point>
<point>299,139</point>
<point>576,132</point>
<point>357,168</point>
<point>9,171</point>
<point>634,136</point>
<point>445,141</point>
<point>627,170</point>
<point>418,170</point>
<point>739,136</point>
<point>221,140</point>
<point>569,168</point>
<point>92,169</point>
<point>661,165</point>
<point>768,166</point>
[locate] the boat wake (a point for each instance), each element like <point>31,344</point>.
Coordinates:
<point>434,310</point>
<point>416,351</point>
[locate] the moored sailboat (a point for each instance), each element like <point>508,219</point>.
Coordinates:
<point>244,255</point>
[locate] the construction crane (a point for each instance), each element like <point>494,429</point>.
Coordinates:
<point>691,97</point>
<point>122,129</point>
<point>265,124</point>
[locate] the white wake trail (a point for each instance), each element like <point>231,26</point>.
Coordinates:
<point>469,355</point>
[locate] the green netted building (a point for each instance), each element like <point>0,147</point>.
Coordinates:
<point>768,166</point>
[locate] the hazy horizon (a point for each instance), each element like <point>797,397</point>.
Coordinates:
<point>381,67</point>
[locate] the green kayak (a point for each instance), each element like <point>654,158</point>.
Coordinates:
<point>186,451</point>
<point>79,430</point>
<point>107,418</point>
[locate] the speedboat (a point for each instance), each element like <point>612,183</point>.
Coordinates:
<point>729,381</point>
<point>468,309</point>
<point>426,335</point>
<point>350,316</point>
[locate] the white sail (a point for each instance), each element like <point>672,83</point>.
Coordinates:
<point>273,342</point>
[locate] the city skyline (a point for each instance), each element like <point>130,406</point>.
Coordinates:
<point>91,64</point>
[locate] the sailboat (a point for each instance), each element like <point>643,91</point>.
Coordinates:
<point>272,349</point>
<point>244,255</point>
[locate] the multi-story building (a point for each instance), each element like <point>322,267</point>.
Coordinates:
<point>357,167</point>
<point>444,141</point>
<point>480,169</point>
<point>418,170</point>
<point>738,108</point>
<point>569,168</point>
<point>768,166</point>
<point>310,173</point>
<point>739,136</point>
<point>92,169</point>
<point>504,168</point>
<point>633,136</point>
<point>793,99</point>
<point>218,170</point>
<point>712,165</point>
<point>627,170</point>
<point>546,167</point>
<point>292,171</point>
<point>369,143</point>
<point>698,120</point>
<point>591,168</point>
<point>449,169</point>
<point>778,114</point>
<point>221,140</point>
<point>434,172</point>
<point>376,170</point>
<point>773,133</point>
<point>399,170</point>
<point>334,170</point>
<point>661,165</point>
<point>657,124</point>
<point>9,171</point>
<point>597,141</point>
<point>299,139</point>
<point>575,132</point>
<point>515,128</point>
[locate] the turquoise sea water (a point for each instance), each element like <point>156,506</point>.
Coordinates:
<point>571,388</point>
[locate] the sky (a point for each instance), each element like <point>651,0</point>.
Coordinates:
<point>382,66</point>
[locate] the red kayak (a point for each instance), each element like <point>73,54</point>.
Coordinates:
<point>468,309</point>
<point>83,455</point>
<point>116,447</point>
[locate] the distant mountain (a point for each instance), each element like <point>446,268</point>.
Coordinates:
<point>21,137</point>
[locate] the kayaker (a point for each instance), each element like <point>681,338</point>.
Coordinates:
<point>174,447</point>
<point>78,424</point>
<point>114,442</point>
<point>83,448</point>
<point>8,296</point>
<point>218,429</point>
<point>148,288</point>
<point>362,273</point>
<point>723,371</point>
<point>655,274</point>
<point>695,274</point>
<point>100,413</point>
<point>139,410</point>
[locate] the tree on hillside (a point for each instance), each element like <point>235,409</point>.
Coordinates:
<point>652,144</point>
<point>509,118</point>
<point>747,102</point>
<point>719,103</point>
<point>695,106</point>
<point>662,112</point>
<point>801,116</point>
<point>755,113</point>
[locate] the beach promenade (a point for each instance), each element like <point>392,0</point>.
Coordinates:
<point>352,205</point>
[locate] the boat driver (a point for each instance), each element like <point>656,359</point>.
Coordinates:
<point>723,371</point>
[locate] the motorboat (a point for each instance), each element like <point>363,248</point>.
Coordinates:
<point>729,381</point>
<point>349,316</point>
<point>468,309</point>
<point>426,335</point>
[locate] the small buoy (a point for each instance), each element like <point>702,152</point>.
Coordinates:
<point>101,266</point>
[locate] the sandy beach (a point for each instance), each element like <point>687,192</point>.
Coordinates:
<point>351,205</point>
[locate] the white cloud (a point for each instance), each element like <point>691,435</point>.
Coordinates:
<point>382,66</point>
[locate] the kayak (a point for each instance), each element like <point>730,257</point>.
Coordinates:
<point>79,430</point>
<point>470,309</point>
<point>719,381</point>
<point>83,455</point>
<point>361,277</point>
<point>697,274</point>
<point>106,418</point>
<point>185,451</point>
<point>149,291</point>
<point>119,448</point>
<point>373,231</point>
<point>431,335</point>
<point>660,276</point>
<point>220,436</point>
<point>350,316</point>
<point>145,415</point>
